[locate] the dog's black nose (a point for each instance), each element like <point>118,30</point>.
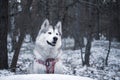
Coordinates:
<point>55,38</point>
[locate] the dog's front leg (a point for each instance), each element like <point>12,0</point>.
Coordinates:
<point>39,68</point>
<point>59,67</point>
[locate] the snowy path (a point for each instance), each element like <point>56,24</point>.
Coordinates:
<point>43,77</point>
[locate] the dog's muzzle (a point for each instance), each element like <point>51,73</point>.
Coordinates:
<point>52,44</point>
<point>54,41</point>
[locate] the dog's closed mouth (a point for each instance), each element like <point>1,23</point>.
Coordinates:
<point>52,44</point>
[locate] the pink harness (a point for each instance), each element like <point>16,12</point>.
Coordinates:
<point>49,63</point>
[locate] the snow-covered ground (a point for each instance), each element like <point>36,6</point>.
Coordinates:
<point>97,69</point>
<point>44,77</point>
<point>72,60</point>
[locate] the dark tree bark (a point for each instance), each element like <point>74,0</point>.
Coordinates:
<point>87,51</point>
<point>117,19</point>
<point>89,30</point>
<point>3,34</point>
<point>88,47</point>
<point>23,25</point>
<point>98,25</point>
<point>109,47</point>
<point>16,54</point>
<point>106,60</point>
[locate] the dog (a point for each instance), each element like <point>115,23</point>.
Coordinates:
<point>48,50</point>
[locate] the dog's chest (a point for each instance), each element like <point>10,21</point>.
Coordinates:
<point>50,53</point>
<point>46,52</point>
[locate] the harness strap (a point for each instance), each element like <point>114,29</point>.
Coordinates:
<point>49,63</point>
<point>40,61</point>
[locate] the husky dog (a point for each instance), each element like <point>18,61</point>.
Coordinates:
<point>47,49</point>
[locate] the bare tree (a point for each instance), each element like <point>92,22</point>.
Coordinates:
<point>108,53</point>
<point>109,45</point>
<point>88,46</point>
<point>3,34</point>
<point>23,26</point>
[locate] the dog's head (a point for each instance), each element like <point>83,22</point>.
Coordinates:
<point>49,35</point>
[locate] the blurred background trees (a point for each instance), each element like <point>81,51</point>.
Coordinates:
<point>81,19</point>
<point>76,16</point>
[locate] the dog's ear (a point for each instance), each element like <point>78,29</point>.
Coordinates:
<point>45,24</point>
<point>44,27</point>
<point>59,27</point>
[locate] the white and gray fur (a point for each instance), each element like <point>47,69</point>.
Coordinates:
<point>48,45</point>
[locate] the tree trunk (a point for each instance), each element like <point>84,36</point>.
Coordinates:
<point>88,47</point>
<point>118,19</point>
<point>109,47</point>
<point>3,34</point>
<point>98,25</point>
<point>106,60</point>
<point>24,24</point>
<point>77,43</point>
<point>81,51</point>
<point>16,54</point>
<point>89,29</point>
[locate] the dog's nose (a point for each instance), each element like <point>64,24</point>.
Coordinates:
<point>55,38</point>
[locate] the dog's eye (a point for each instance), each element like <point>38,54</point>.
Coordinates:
<point>56,33</point>
<point>49,33</point>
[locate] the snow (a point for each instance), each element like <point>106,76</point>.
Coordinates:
<point>72,61</point>
<point>5,73</point>
<point>68,43</point>
<point>43,77</point>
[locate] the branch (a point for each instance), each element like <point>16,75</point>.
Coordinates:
<point>11,15</point>
<point>103,29</point>
<point>72,4</point>
<point>67,7</point>
<point>89,3</point>
<point>14,14</point>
